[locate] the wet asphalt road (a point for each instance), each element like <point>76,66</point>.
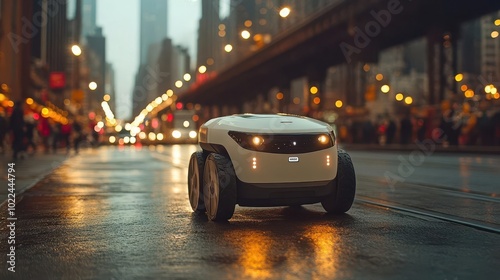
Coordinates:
<point>123,213</point>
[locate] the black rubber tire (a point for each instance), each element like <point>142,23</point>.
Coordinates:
<point>195,181</point>
<point>219,187</point>
<point>345,186</point>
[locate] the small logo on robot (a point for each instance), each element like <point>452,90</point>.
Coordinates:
<point>293,159</point>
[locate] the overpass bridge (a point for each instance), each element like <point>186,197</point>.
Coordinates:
<point>349,32</point>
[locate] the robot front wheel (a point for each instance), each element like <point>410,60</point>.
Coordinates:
<point>195,181</point>
<point>340,201</point>
<point>212,185</point>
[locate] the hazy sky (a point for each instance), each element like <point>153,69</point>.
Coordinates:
<point>120,22</point>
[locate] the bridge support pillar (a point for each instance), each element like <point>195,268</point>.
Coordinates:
<point>316,94</point>
<point>441,64</point>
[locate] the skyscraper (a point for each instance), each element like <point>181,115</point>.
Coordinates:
<point>153,24</point>
<point>89,15</point>
<point>209,48</point>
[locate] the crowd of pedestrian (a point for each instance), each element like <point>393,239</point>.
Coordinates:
<point>460,125</point>
<point>28,133</point>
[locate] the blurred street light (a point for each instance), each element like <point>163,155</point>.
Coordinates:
<point>284,12</point>
<point>385,88</point>
<point>245,34</point>
<point>379,77</point>
<point>228,48</point>
<point>408,100</point>
<point>339,103</point>
<point>497,22</point>
<point>106,97</point>
<point>494,34</point>
<point>202,69</point>
<point>92,85</point>
<point>178,83</point>
<point>76,50</point>
<point>187,77</point>
<point>469,93</point>
<point>313,90</point>
<point>399,96</point>
<point>459,77</point>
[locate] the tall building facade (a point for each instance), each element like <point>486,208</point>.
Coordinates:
<point>490,48</point>
<point>96,58</point>
<point>165,64</point>
<point>209,47</point>
<point>153,25</point>
<point>89,19</point>
<point>15,52</point>
<point>109,86</point>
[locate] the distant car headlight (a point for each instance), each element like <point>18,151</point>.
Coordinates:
<point>192,134</point>
<point>176,134</point>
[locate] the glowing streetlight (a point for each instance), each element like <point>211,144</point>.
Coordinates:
<point>399,96</point>
<point>170,93</point>
<point>494,34</point>
<point>385,88</point>
<point>408,100</point>
<point>459,77</point>
<point>313,90</point>
<point>339,103</point>
<point>284,12</point>
<point>245,34</point>
<point>106,97</point>
<point>92,85</point>
<point>76,50</point>
<point>469,93</point>
<point>202,69</point>
<point>178,84</point>
<point>187,77</point>
<point>228,48</point>
<point>379,77</point>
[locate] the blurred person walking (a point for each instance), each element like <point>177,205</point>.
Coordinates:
<point>449,123</point>
<point>16,124</point>
<point>30,127</point>
<point>3,129</point>
<point>65,135</point>
<point>56,136</point>
<point>485,126</point>
<point>406,129</point>
<point>78,135</point>
<point>44,132</point>
<point>468,132</point>
<point>391,131</point>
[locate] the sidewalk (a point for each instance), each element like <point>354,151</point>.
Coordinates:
<point>29,171</point>
<point>493,150</point>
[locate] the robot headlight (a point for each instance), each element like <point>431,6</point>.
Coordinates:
<point>323,139</point>
<point>257,141</point>
<point>293,143</point>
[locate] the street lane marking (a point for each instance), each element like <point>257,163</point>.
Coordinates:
<point>429,213</point>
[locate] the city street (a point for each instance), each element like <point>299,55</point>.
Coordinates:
<point>123,213</point>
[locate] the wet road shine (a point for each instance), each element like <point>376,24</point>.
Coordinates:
<point>124,213</point>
